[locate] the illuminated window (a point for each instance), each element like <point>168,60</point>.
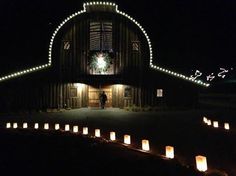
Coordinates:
<point>66,45</point>
<point>159,92</point>
<point>135,46</point>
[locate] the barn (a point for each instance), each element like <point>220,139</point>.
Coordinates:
<point>98,48</point>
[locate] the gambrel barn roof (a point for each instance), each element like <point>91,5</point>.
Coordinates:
<point>109,7</point>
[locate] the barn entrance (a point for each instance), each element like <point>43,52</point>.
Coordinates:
<point>93,95</point>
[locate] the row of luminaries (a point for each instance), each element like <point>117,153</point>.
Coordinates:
<point>201,161</point>
<point>215,124</point>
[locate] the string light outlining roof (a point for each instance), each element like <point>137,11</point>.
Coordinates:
<point>152,66</point>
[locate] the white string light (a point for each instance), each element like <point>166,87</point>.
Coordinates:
<point>17,74</point>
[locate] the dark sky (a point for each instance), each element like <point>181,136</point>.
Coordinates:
<point>186,34</point>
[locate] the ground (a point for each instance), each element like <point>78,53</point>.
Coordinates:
<point>55,153</point>
<point>182,129</point>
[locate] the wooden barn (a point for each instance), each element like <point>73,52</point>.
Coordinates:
<point>99,48</point>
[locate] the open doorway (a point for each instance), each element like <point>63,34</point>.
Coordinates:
<point>94,92</point>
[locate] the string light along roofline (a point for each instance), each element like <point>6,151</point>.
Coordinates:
<point>152,66</point>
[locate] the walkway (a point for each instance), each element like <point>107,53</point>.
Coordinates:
<point>182,129</point>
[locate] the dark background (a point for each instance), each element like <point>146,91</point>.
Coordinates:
<point>186,35</point>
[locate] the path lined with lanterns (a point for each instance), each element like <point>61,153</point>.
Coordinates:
<point>201,161</point>
<point>182,130</point>
<point>215,123</point>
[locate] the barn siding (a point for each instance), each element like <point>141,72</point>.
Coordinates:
<point>72,64</point>
<point>53,90</point>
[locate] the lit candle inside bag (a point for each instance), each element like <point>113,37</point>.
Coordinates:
<point>215,124</point>
<point>226,126</point>
<point>15,125</point>
<point>25,125</point>
<point>201,163</point>
<point>169,152</point>
<point>97,133</point>
<point>85,130</point>
<point>145,145</point>
<point>75,129</point>
<point>127,139</point>
<point>67,127</point>
<point>112,136</point>
<point>205,119</point>
<point>36,126</point>
<point>57,126</point>
<point>209,122</point>
<point>8,125</point>
<point>46,126</point>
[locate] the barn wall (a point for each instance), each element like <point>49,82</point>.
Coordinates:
<point>72,64</point>
<point>132,83</point>
<point>43,96</point>
<point>30,95</point>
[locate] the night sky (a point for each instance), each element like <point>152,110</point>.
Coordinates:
<point>186,34</point>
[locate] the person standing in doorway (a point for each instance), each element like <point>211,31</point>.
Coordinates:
<point>103,99</point>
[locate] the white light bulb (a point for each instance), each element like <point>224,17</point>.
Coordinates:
<point>101,62</point>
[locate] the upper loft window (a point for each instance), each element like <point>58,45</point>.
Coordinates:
<point>159,92</point>
<point>100,36</point>
<point>135,45</point>
<point>66,45</point>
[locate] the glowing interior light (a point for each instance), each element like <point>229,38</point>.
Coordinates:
<point>67,127</point>
<point>127,139</point>
<point>145,145</point>
<point>57,126</point>
<point>97,133</point>
<point>169,152</point>
<point>25,125</point>
<point>101,64</point>
<point>36,126</point>
<point>209,122</point>
<point>215,124</point>
<point>8,125</point>
<point>226,126</point>
<point>119,86</point>
<point>205,119</point>
<point>112,136</point>
<point>201,163</point>
<point>85,130</point>
<point>46,126</point>
<point>79,86</point>
<point>15,125</point>
<point>75,129</point>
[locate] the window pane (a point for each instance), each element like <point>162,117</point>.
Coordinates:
<point>66,45</point>
<point>135,45</point>
<point>100,36</point>
<point>95,35</point>
<point>159,92</point>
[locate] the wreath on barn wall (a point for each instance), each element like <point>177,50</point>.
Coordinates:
<point>100,62</point>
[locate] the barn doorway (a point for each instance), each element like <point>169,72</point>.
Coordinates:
<point>93,95</point>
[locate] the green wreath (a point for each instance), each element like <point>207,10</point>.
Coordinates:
<point>101,66</point>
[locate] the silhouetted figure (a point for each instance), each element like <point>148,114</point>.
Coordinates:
<point>103,99</point>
